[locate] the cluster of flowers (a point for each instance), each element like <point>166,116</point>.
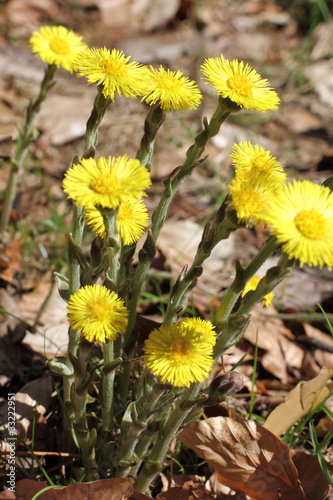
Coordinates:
<point>299,214</point>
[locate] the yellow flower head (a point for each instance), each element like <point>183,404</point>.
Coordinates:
<point>256,162</point>
<point>114,70</point>
<point>57,45</point>
<point>250,195</point>
<point>171,90</point>
<point>178,355</point>
<point>97,313</point>
<point>252,285</point>
<point>204,328</point>
<point>106,182</point>
<point>242,84</point>
<point>301,216</point>
<point>132,221</point>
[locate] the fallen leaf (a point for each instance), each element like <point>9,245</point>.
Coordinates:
<point>145,15</point>
<point>187,487</point>
<point>315,485</point>
<point>45,306</point>
<point>304,397</point>
<point>59,127</point>
<point>138,496</point>
<point>27,15</point>
<point>106,489</point>
<point>9,267</point>
<point>246,457</point>
<point>300,120</point>
<point>32,400</point>
<point>281,352</point>
<point>320,76</point>
<point>325,424</point>
<point>323,357</point>
<point>180,239</point>
<point>323,41</point>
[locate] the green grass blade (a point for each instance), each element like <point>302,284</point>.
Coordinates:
<point>318,453</point>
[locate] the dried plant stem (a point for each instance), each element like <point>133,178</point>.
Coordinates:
<point>25,137</point>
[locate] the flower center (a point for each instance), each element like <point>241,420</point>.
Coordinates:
<point>60,46</point>
<point>168,82</point>
<point>99,310</point>
<point>261,164</point>
<point>106,184</point>
<point>180,351</point>
<point>240,85</point>
<point>311,224</point>
<point>249,201</point>
<point>113,67</point>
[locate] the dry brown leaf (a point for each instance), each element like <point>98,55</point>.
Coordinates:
<point>188,487</point>
<point>28,14</point>
<point>185,494</point>
<point>13,254</point>
<point>33,399</point>
<point>180,239</point>
<point>246,457</point>
<point>315,484</point>
<point>301,399</point>
<point>106,489</point>
<point>323,357</point>
<point>325,424</point>
<point>138,496</point>
<point>273,338</point>
<point>52,336</point>
<point>62,128</point>
<point>143,16</point>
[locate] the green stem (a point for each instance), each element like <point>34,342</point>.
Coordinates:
<point>108,386</point>
<point>90,143</point>
<point>272,278</point>
<point>153,121</point>
<point>25,137</point>
<point>224,108</point>
<point>93,123</point>
<point>142,450</point>
<point>85,436</point>
<point>238,284</point>
<point>110,223</point>
<point>155,461</point>
<point>111,244</point>
<point>212,234</point>
<point>149,401</point>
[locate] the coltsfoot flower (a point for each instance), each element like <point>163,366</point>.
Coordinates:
<point>252,284</point>
<point>241,83</point>
<point>97,313</point>
<point>250,196</point>
<point>114,71</point>
<point>132,221</point>
<point>256,161</point>
<point>178,355</point>
<point>171,90</point>
<point>106,182</point>
<point>57,45</point>
<point>301,216</point>
<point>204,328</point>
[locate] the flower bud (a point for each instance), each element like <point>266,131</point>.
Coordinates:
<point>226,384</point>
